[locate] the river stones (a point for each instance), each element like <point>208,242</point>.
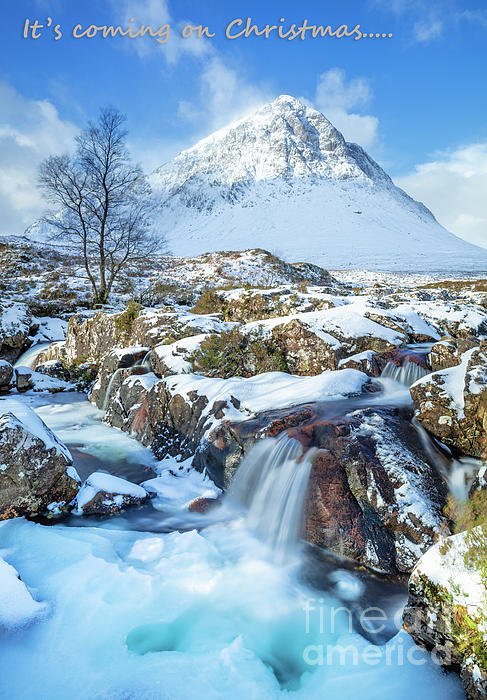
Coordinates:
<point>36,473</point>
<point>23,379</point>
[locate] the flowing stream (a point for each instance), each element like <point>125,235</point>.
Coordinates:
<point>164,603</point>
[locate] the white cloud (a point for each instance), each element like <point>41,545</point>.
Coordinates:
<point>156,13</point>
<point>225,96</point>
<point>30,130</point>
<point>339,101</point>
<point>453,186</point>
<point>427,30</point>
<point>426,20</point>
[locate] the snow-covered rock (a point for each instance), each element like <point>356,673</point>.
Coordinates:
<point>176,414</point>
<point>447,608</point>
<point>16,327</point>
<point>6,375</point>
<point>285,178</point>
<point>452,403</point>
<point>27,379</point>
<point>35,466</point>
<point>105,494</point>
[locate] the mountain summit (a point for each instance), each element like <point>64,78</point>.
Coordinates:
<point>285,179</point>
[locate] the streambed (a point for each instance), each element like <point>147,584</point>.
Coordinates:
<point>163,603</point>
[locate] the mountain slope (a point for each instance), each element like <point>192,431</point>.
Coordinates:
<point>285,179</point>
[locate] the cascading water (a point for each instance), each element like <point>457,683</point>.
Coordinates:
<point>145,361</point>
<point>108,392</point>
<point>271,482</point>
<point>458,473</point>
<point>28,358</point>
<point>406,374</point>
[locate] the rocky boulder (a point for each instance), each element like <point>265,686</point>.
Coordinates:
<point>23,379</point>
<point>27,379</point>
<point>446,611</point>
<point>6,376</point>
<point>53,368</point>
<point>444,354</point>
<point>16,329</point>
<point>103,494</point>
<point>372,495</point>
<point>452,403</point>
<point>36,473</point>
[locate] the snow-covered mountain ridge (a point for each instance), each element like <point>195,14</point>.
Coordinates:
<point>286,179</point>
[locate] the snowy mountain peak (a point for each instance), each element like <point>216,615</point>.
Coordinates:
<point>284,179</point>
<point>283,139</point>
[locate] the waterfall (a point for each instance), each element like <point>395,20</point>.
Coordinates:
<point>110,387</point>
<point>458,473</point>
<point>406,374</point>
<point>28,358</point>
<point>271,482</point>
<point>145,361</point>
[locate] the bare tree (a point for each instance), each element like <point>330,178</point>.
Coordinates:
<point>100,202</point>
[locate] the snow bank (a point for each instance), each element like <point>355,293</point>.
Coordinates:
<point>173,355</point>
<point>17,607</point>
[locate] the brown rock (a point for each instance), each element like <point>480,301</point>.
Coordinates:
<point>34,464</point>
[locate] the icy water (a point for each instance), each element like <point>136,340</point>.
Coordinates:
<point>161,603</point>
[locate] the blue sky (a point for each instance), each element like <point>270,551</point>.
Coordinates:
<point>417,101</point>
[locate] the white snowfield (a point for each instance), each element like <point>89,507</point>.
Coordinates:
<point>285,179</point>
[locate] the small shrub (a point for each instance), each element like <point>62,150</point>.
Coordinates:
<point>233,354</point>
<point>125,320</point>
<point>208,303</point>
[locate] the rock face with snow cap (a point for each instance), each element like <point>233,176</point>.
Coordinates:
<point>94,338</point>
<point>371,496</point>
<point>452,403</point>
<point>178,414</point>
<point>36,472</point>
<point>16,327</point>
<point>446,609</point>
